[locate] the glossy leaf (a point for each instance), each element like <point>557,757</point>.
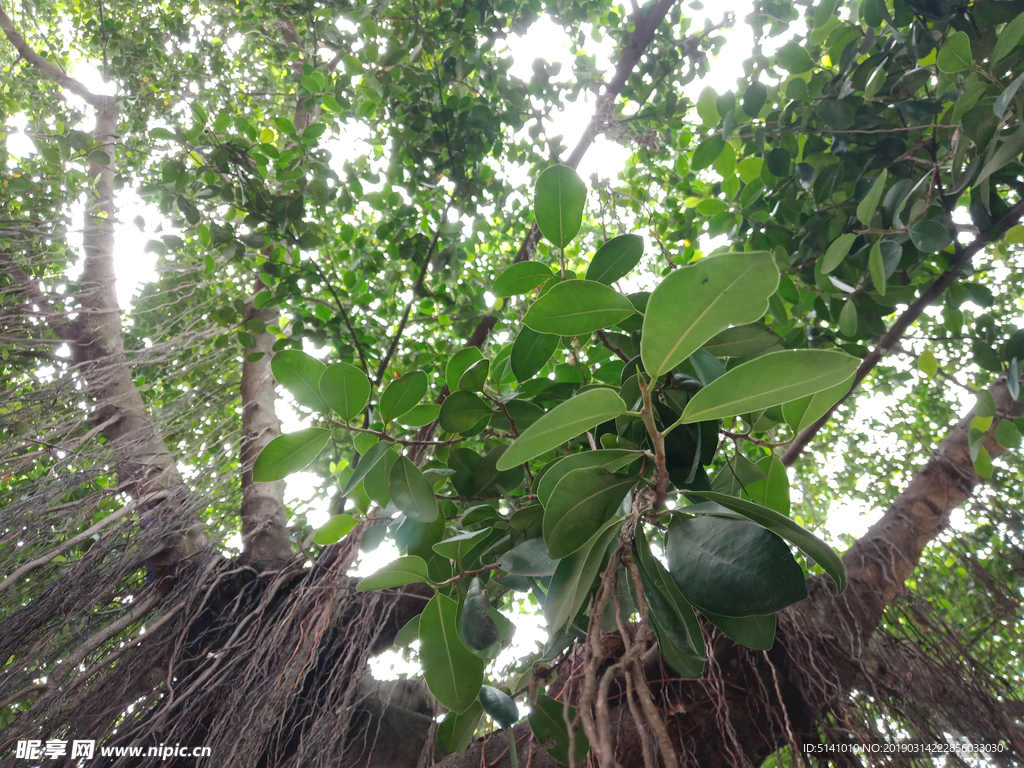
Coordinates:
<point>577,308</point>
<point>558,204</point>
<point>478,630</point>
<point>773,490</point>
<point>300,374</point>
<point>793,58</point>
<point>411,492</point>
<point>457,730</point>
<point>289,453</point>
<point>732,567</point>
<point>1008,40</point>
<point>803,539</point>
<point>464,413</point>
<point>457,547</point>
<point>402,395</point>
<point>458,364</point>
<point>345,389</point>
<point>771,379</point>
<point>867,206</point>
<point>520,278</point>
<point>743,341</point>
<point>499,706</point>
<point>530,558</point>
<point>564,422</point>
<point>836,252</point>
<point>616,259</point>
<point>802,412</point>
<point>475,377</point>
<point>955,54</point>
<point>579,505</point>
<point>930,236</point>
<point>366,462</point>
<point>696,302</point>
<point>876,266</point>
<point>404,570</point>
<point>453,673</point>
<point>611,459</point>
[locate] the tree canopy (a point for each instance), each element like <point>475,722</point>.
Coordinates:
<point>623,404</point>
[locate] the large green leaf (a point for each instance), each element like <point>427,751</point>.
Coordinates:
<point>743,341</point>
<point>771,379</point>
<point>531,352</point>
<point>377,483</point>
<point>773,490</point>
<point>289,453</point>
<point>457,730</point>
<point>802,412</point>
<point>732,567</point>
<point>930,236</point>
<point>1008,39</point>
<point>458,364</point>
<point>836,252</point>
<point>674,621</point>
<point>345,389</point>
<point>334,529</point>
<point>781,525</point>
<point>757,632</point>
<point>616,258</point>
<point>611,459</point>
<point>402,395</point>
<point>558,204</point>
<point>453,673</point>
<point>574,576</point>
<point>530,558</point>
<point>404,570</point>
<point>577,308</point>
<point>499,706</point>
<point>457,547</point>
<point>548,721</point>
<point>366,462</point>
<point>300,374</point>
<point>520,278</point>
<point>793,58</point>
<point>955,54</point>
<point>464,413</point>
<point>564,422</point>
<point>697,301</point>
<point>411,492</point>
<point>579,505</point>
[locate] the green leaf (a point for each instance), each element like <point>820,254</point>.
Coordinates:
<point>457,547</point>
<point>564,422</point>
<point>793,58</point>
<point>289,453</point>
<point>1015,235</point>
<point>611,459</point>
<point>837,114</point>
<point>574,576</point>
<point>804,411</point>
<point>478,629</point>
<point>929,236</point>
<point>754,98</point>
<point>707,108</point>
<point>520,278</point>
<point>419,416</point>
<point>928,364</point>
<point>707,152</point>
<point>771,379</point>
<point>548,719</point>
<point>773,490</point>
<point>577,308</point>
<point>345,389</point>
<point>456,731</point>
<point>1008,39</point>
<point>1007,435</point>
<point>697,301</point>
<point>499,706</point>
<point>300,374</point>
<point>411,492</point>
<point>475,377</point>
<point>1008,151</point>
<point>581,502</point>
<point>955,54</point>
<point>757,632</point>
<point>615,259</point>
<point>531,352</point>
<point>529,558</point>
<point>674,621</point>
<point>848,319</point>
<point>377,483</point>
<point>367,462</point>
<point>457,365</point>
<point>743,341</point>
<point>402,395</point>
<point>731,567</point>
<point>453,673</point>
<point>983,463</point>
<point>1003,102</point>
<point>836,252</point>
<point>866,208</point>
<point>558,204</point>
<point>405,570</point>
<point>876,266</point>
<point>782,526</point>
<point>336,528</point>
<point>464,413</point>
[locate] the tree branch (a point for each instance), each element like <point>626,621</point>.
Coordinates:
<point>903,323</point>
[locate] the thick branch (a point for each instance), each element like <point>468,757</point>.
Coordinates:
<point>904,322</point>
<point>48,69</point>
